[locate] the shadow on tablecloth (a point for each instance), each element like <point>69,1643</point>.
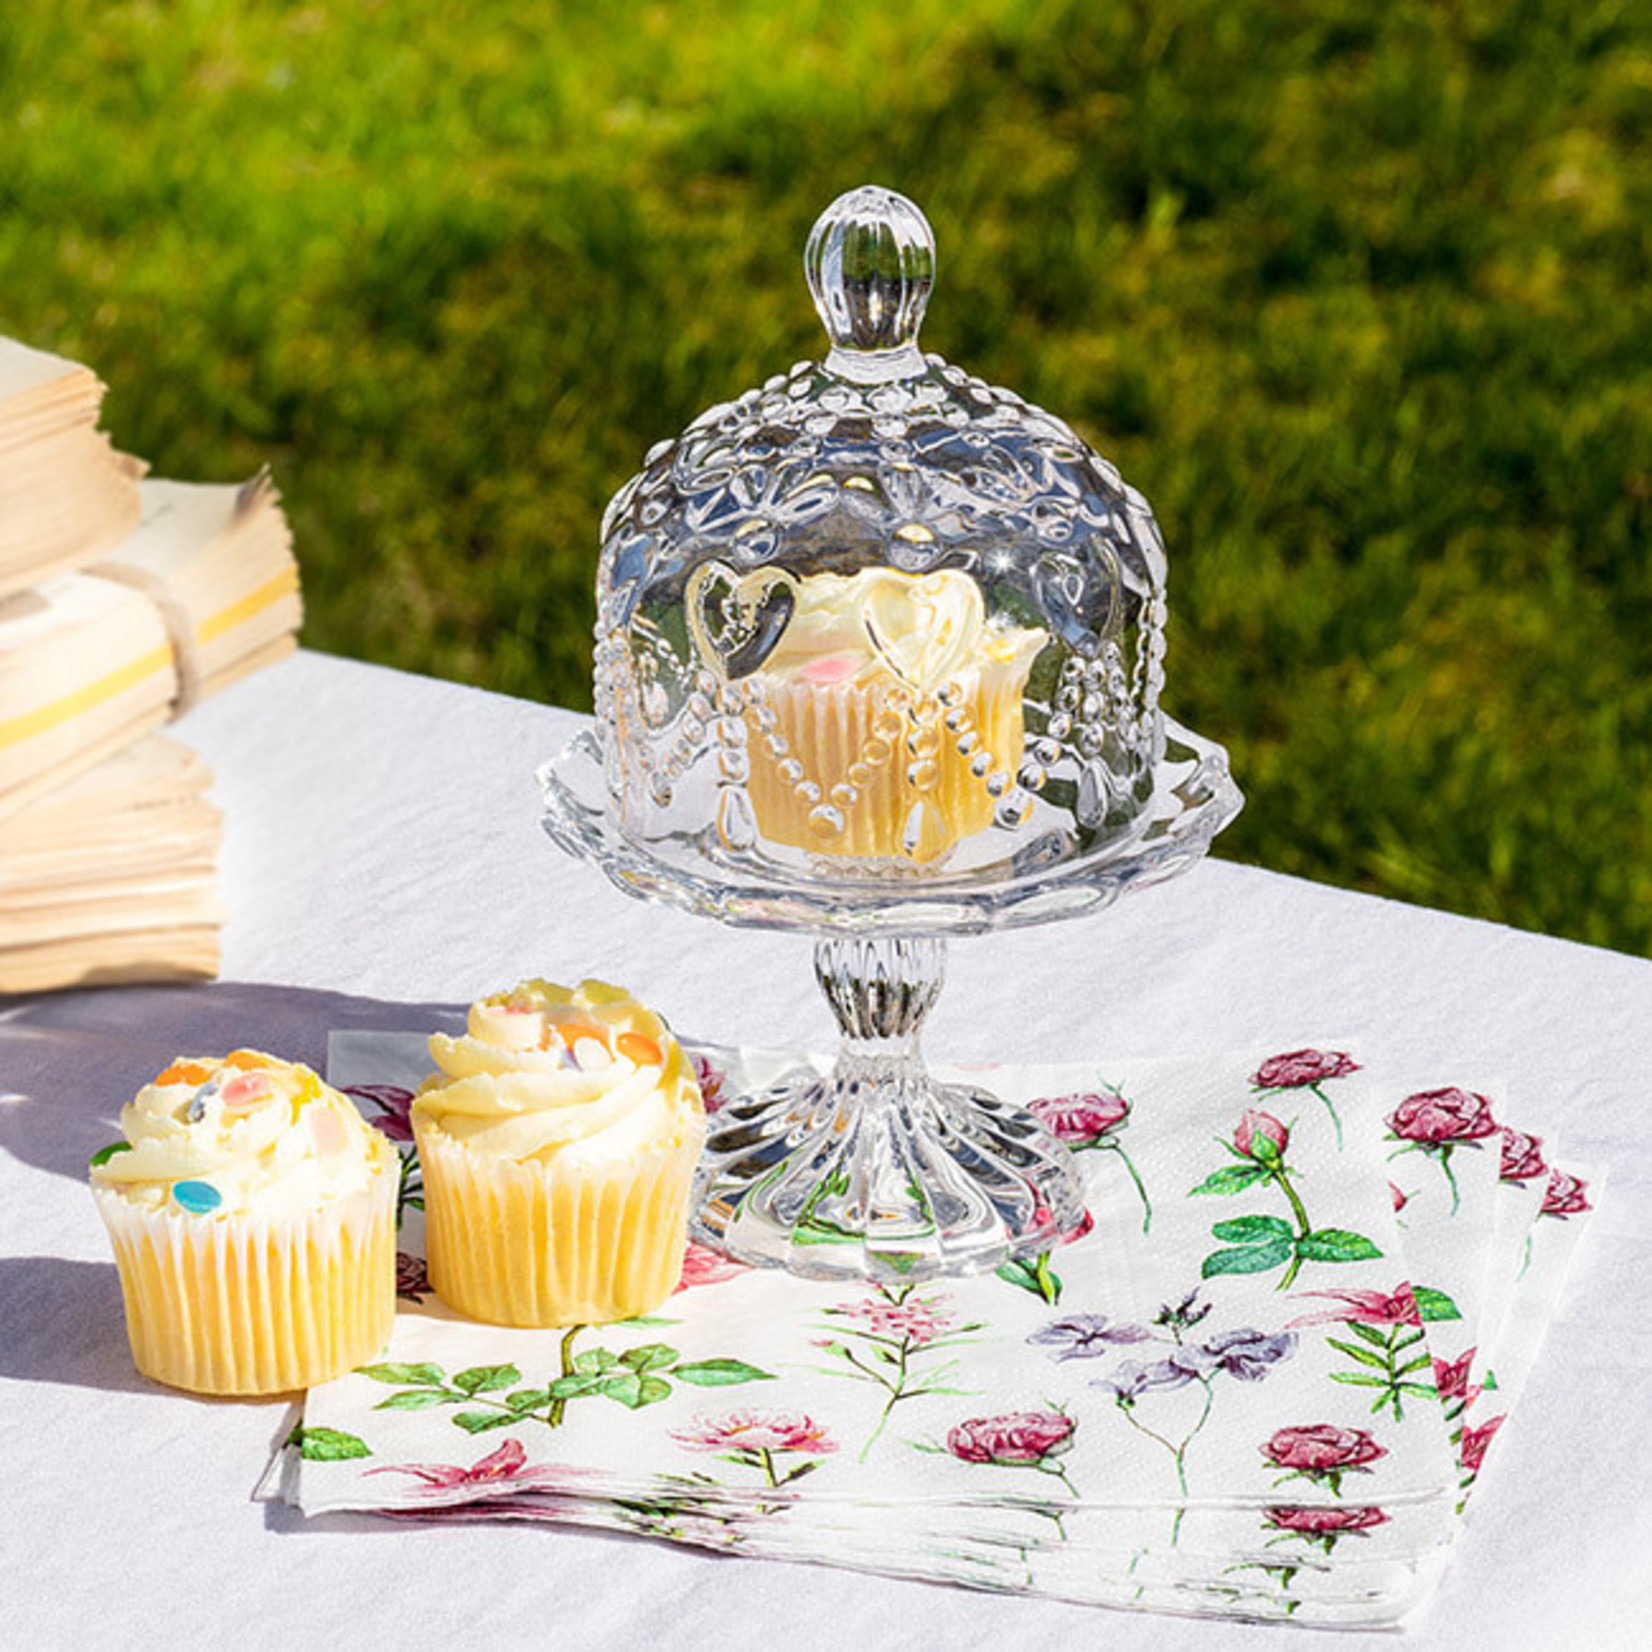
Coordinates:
<point>69,1061</point>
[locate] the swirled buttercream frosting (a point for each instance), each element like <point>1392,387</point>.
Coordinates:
<point>584,1077</point>
<point>245,1132</point>
<point>880,624</point>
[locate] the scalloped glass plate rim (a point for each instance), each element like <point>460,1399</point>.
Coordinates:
<point>1194,798</point>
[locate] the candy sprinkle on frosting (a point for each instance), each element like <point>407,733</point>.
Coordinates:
<point>246,1090</point>
<point>105,1154</point>
<point>184,1072</point>
<point>640,1048</point>
<point>250,1133</point>
<point>197,1197</point>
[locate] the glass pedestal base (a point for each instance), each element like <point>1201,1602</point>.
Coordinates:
<point>877,1171</point>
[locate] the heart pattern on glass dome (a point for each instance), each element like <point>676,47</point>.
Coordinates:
<point>924,627</point>
<point>737,619</point>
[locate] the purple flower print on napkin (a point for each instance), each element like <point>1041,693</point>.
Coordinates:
<point>1087,1336</point>
<point>1247,1354</point>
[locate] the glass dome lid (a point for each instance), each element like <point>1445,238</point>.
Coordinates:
<point>877,618</point>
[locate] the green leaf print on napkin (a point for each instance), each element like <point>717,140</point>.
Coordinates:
<point>638,1377</point>
<point>1259,1244</point>
<point>1391,1352</point>
<point>327,1445</point>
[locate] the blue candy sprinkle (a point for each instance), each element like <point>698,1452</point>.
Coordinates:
<point>197,1197</point>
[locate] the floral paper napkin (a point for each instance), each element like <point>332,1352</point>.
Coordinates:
<point>1224,1396</point>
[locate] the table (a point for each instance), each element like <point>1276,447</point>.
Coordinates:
<point>383,844</point>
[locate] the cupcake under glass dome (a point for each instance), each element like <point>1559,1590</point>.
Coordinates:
<point>878,614</point>
<point>879,651</point>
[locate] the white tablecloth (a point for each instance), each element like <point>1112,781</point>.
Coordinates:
<point>383,844</point>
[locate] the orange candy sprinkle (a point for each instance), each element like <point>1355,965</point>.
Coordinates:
<point>184,1072</point>
<point>570,1032</point>
<point>246,1060</point>
<point>640,1048</point>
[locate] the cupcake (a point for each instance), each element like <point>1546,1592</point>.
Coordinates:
<point>887,719</point>
<point>558,1142</point>
<point>253,1218</point>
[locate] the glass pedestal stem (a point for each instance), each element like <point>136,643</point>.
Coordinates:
<point>877,1171</point>
<point>880,991</point>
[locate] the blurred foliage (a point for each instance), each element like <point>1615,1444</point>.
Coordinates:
<point>1357,294</point>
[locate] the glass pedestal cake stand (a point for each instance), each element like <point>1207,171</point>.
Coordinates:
<point>875,1170</point>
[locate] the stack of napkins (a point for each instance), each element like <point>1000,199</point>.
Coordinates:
<point>1260,1384</point>
<point>114,876</point>
<point>65,493</point>
<point>121,605</point>
<point>217,563</point>
<point>86,670</point>
<point>203,592</point>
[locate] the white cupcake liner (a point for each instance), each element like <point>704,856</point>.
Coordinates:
<point>524,1242</point>
<point>245,1304</point>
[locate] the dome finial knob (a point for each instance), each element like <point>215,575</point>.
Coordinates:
<point>871,263</point>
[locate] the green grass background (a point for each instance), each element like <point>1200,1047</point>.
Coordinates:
<point>1359,294</point>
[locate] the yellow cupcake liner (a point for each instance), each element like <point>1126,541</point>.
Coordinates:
<point>245,1305</point>
<point>521,1242</point>
<point>828,729</point>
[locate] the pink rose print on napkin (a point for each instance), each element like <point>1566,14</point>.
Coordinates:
<point>1440,1123</point>
<point>1435,1117</point>
<point>1474,1443</point>
<point>1451,1378</point>
<point>1322,1453</point>
<point>503,1470</point>
<point>1019,1439</point>
<point>1306,1070</point>
<point>1322,1528</point>
<point>754,1439</point>
<point>1081,1120</point>
<point>412,1279</point>
<point>1522,1157</point>
<point>704,1266</point>
<point>1564,1195</point>
<point>1092,1121</point>
<point>1257,1132</point>
<point>713,1082</point>
<point>1022,1440</point>
<point>1087,1121</point>
<point>1298,1068</point>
